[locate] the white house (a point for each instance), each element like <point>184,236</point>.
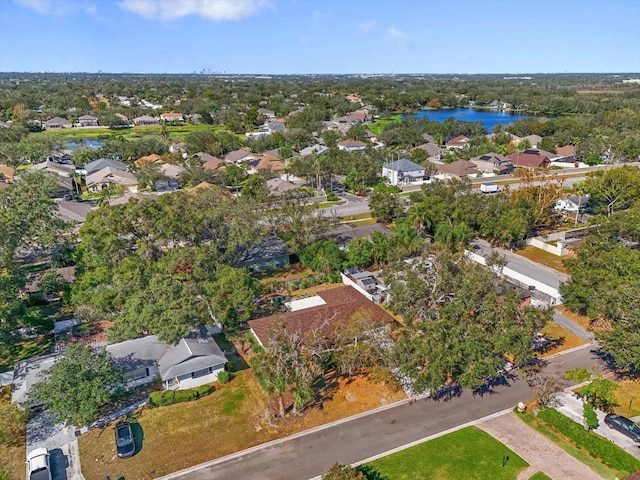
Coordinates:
<point>572,203</point>
<point>403,172</point>
<point>352,145</point>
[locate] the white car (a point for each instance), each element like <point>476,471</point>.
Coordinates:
<point>38,466</point>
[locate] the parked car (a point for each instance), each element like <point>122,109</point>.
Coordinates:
<point>125,446</point>
<point>624,426</point>
<point>38,466</point>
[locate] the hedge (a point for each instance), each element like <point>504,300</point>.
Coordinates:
<point>598,447</point>
<point>169,397</point>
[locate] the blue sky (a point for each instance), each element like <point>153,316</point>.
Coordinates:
<point>320,36</point>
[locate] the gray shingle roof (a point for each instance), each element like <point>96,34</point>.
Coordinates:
<point>101,163</point>
<point>190,355</point>
<point>403,165</point>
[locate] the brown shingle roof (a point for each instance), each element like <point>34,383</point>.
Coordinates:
<point>521,159</point>
<point>566,151</point>
<point>341,303</point>
<point>461,168</point>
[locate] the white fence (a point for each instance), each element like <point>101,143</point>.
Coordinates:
<point>559,249</point>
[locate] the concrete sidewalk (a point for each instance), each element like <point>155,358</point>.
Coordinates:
<point>540,453</point>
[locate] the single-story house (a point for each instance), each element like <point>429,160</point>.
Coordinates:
<point>403,172</point>
<point>57,122</point>
<point>138,196</point>
<point>457,169</point>
<point>529,159</point>
<point>272,125</point>
<point>171,170</point>
<point>101,163</point>
<point>7,174</point>
<point>210,162</point>
<point>190,362</point>
<point>52,167</point>
<point>87,121</point>
<point>461,141</point>
<point>428,138</point>
<point>270,253</point>
<point>317,149</point>
<point>572,203</point>
<point>122,117</point>
<point>493,163</point>
<point>172,117</point>
<point>239,156</point>
<point>266,113</point>
<point>319,313</point>
<point>145,120</point>
<point>266,163</point>
<point>278,186</point>
<point>72,211</point>
<point>433,150</point>
<point>111,176</point>
<point>153,158</point>
<point>352,145</point>
<point>566,153</point>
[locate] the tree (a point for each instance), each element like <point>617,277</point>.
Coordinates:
<point>589,415</point>
<point>149,174</point>
<point>79,385</point>
<point>614,189</point>
<point>601,393</point>
<point>384,206</point>
<point>358,253</point>
<point>358,343</point>
<point>544,386</point>
<point>255,188</point>
<point>51,283</point>
<point>322,256</point>
<point>232,295</point>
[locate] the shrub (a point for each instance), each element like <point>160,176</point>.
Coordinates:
<point>577,375</point>
<point>224,377</point>
<point>598,447</point>
<point>331,196</point>
<point>169,397</point>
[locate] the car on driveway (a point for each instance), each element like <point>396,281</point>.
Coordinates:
<point>125,446</point>
<point>624,426</point>
<point>38,465</point>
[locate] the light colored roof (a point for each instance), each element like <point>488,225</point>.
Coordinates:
<point>237,155</point>
<point>277,186</point>
<point>112,175</point>
<point>101,163</point>
<point>318,149</point>
<point>25,375</point>
<point>171,170</point>
<point>431,148</point>
<point>352,143</point>
<point>131,195</point>
<point>190,354</point>
<point>53,167</point>
<point>459,140</point>
<point>71,211</point>
<point>153,158</point>
<point>56,120</point>
<point>139,352</point>
<point>87,117</point>
<point>403,165</point>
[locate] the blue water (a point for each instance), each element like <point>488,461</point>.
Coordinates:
<point>83,143</point>
<point>488,117</point>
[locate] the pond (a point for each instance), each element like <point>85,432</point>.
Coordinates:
<point>83,143</point>
<point>487,117</point>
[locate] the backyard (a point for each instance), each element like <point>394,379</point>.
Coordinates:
<point>545,258</point>
<point>236,416</point>
<point>469,453</point>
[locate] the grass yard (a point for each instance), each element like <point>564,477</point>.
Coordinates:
<point>314,290</point>
<point>234,417</point>
<point>569,447</point>
<point>361,223</point>
<point>539,476</point>
<point>469,453</point>
<point>545,258</point>
<point>133,133</point>
<point>628,398</point>
<point>12,458</point>
<point>564,338</point>
<point>582,320</point>
<point>359,216</point>
<point>377,126</point>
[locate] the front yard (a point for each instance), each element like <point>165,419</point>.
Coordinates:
<point>234,417</point>
<point>469,453</point>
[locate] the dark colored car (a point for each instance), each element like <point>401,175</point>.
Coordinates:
<point>624,426</point>
<point>125,446</point>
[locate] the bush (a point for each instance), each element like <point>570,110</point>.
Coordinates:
<point>331,196</point>
<point>598,447</point>
<point>169,397</point>
<point>224,377</point>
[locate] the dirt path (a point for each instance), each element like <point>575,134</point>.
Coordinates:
<point>540,453</point>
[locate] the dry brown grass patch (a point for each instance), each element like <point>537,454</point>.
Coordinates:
<point>545,258</point>
<point>582,320</point>
<point>565,338</point>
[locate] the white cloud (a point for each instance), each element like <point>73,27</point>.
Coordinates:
<point>397,36</point>
<point>210,9</point>
<point>366,26</point>
<point>43,7</point>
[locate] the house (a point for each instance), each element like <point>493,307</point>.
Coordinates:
<point>403,172</point>
<point>7,174</point>
<point>319,313</point>
<point>533,140</point>
<point>513,138</point>
<point>457,169</point>
<point>71,211</point>
<point>122,117</point>
<point>53,167</point>
<point>317,149</point>
<point>352,146</point>
<point>137,196</point>
<point>354,118</point>
<point>172,117</point>
<point>529,159</point>
<point>366,283</point>
<point>353,98</point>
<point>566,153</point>
<point>270,253</point>
<point>145,120</point>
<point>344,233</point>
<point>179,147</point>
<point>138,359</point>
<point>191,361</point>
<point>278,186</point>
<point>56,123</point>
<point>428,138</point>
<point>87,121</point>
<point>32,285</point>
<point>266,113</point>
<point>461,141</point>
<point>266,163</point>
<point>572,203</point>
<point>434,151</point>
<point>171,170</point>
<point>272,125</point>
<point>211,162</point>
<point>239,156</point>
<point>153,158</point>
<point>110,176</point>
<point>62,156</point>
<point>101,163</point>
<point>492,164</point>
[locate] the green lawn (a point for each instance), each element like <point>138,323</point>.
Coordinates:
<point>133,133</point>
<point>377,126</point>
<point>540,476</point>
<point>469,453</point>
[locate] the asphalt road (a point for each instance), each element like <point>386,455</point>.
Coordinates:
<point>351,441</point>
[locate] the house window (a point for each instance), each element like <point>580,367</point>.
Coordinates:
<point>136,374</point>
<point>201,373</point>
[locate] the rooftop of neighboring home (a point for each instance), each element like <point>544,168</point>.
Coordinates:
<point>459,141</point>
<point>268,162</point>
<point>54,167</point>
<point>566,151</point>
<point>431,148</point>
<point>210,162</point>
<point>153,158</point>
<point>112,175</point>
<point>334,305</point>
<point>171,170</point>
<point>72,211</point>
<point>428,138</point>
<point>529,159</point>
<point>101,163</point>
<point>317,149</point>
<point>352,144</point>
<point>269,247</point>
<point>403,165</point>
<point>344,233</point>
<point>57,121</point>
<point>238,155</point>
<point>171,116</point>
<point>278,186</point>
<point>132,196</point>
<point>459,168</point>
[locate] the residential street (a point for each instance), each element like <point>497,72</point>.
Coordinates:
<point>309,454</point>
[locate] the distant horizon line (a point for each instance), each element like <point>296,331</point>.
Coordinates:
<point>379,74</point>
